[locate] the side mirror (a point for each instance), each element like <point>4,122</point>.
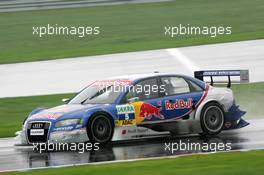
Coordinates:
<point>133,99</point>
<point>65,100</point>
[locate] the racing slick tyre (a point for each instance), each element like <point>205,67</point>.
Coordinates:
<point>212,119</point>
<point>100,129</point>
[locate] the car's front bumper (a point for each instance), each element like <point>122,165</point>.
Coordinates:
<point>73,136</point>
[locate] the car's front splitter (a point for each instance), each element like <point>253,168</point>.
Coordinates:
<point>74,136</point>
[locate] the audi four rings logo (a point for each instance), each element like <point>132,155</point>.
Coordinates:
<point>37,125</point>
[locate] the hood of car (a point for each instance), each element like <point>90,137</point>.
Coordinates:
<point>63,111</point>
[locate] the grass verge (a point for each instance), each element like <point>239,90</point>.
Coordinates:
<point>125,28</point>
<point>218,164</point>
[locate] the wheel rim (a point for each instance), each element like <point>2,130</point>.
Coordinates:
<point>213,119</point>
<point>101,128</point>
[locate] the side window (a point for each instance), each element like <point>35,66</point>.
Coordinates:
<point>194,87</point>
<point>174,85</point>
<point>146,89</point>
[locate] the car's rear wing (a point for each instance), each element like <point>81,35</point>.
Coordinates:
<point>242,74</point>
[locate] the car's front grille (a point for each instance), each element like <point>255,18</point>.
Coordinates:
<point>37,132</point>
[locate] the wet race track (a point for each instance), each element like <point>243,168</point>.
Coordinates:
<point>23,157</point>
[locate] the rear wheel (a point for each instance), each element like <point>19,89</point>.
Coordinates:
<point>212,119</point>
<point>100,129</point>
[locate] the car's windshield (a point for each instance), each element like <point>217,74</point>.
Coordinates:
<point>98,94</point>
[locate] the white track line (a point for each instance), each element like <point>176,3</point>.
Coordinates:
<point>184,60</point>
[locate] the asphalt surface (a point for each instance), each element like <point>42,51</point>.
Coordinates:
<point>21,157</point>
<point>25,5</point>
<point>73,74</point>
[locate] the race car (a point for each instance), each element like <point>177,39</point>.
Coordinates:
<point>137,106</point>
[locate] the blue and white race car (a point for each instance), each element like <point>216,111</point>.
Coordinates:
<point>136,106</point>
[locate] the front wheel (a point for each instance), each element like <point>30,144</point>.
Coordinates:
<point>100,129</point>
<point>212,119</point>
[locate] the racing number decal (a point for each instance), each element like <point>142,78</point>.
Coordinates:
<point>137,112</point>
<point>126,115</point>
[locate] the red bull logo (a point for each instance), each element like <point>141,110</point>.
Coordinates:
<point>148,111</point>
<point>52,116</point>
<point>106,83</point>
<point>179,104</point>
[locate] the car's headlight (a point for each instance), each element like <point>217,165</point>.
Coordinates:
<point>68,122</point>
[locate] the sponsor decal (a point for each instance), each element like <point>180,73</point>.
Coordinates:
<point>66,128</point>
<point>37,126</point>
<point>132,131</point>
<point>125,109</point>
<point>142,130</point>
<point>222,73</point>
<point>179,104</point>
<point>105,83</point>
<point>53,113</point>
<point>149,111</point>
<point>228,124</point>
<point>125,122</point>
<point>51,116</point>
<point>124,132</point>
<point>37,132</point>
<point>138,130</point>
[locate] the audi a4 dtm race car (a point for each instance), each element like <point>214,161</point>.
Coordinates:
<point>137,106</point>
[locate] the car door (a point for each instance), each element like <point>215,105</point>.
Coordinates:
<point>180,96</point>
<point>146,101</point>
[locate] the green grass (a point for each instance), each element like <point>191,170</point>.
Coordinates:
<point>14,110</point>
<point>242,163</point>
<point>126,28</point>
